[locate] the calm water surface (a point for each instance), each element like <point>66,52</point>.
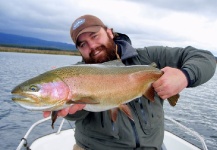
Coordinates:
<point>196,109</point>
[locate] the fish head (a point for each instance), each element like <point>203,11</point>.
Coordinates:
<point>46,92</point>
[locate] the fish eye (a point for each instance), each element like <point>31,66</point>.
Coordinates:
<point>33,88</point>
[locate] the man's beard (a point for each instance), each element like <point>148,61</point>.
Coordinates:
<point>109,53</point>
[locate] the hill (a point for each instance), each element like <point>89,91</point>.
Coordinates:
<point>23,41</point>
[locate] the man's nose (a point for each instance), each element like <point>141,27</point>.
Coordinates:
<point>92,44</point>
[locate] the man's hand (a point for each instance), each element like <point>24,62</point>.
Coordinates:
<point>69,110</point>
<point>172,82</point>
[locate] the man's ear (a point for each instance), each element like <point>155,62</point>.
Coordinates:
<point>110,33</point>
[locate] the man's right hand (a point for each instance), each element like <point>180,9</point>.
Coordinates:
<point>69,110</point>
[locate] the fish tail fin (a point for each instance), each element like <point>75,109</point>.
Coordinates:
<point>173,100</point>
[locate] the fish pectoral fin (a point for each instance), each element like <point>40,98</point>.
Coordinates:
<point>124,108</point>
<point>149,93</point>
<point>83,100</point>
<point>173,100</point>
<point>53,118</point>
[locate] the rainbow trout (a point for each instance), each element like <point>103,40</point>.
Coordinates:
<point>101,87</point>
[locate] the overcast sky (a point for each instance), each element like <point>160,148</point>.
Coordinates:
<point>174,23</point>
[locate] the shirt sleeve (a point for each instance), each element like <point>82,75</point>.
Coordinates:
<point>198,65</point>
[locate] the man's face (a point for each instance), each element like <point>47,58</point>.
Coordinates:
<point>97,47</point>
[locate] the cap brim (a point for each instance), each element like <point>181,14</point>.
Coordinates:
<point>88,29</point>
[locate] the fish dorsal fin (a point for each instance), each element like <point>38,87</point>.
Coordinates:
<point>153,64</point>
<point>173,100</point>
<point>116,62</point>
<point>83,100</point>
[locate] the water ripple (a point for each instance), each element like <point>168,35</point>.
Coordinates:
<point>196,108</point>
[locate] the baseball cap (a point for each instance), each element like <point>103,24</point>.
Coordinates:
<point>86,23</point>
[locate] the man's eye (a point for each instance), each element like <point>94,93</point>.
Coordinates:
<point>82,44</point>
<point>94,36</point>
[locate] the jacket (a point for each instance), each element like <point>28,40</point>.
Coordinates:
<point>96,131</point>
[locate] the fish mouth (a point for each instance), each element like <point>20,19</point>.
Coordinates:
<point>24,97</point>
<point>32,102</point>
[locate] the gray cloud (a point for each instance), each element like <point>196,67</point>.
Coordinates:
<point>202,7</point>
<point>149,22</point>
<point>42,19</point>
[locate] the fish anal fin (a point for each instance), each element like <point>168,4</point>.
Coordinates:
<point>83,100</point>
<point>125,109</point>
<point>114,114</point>
<point>149,93</point>
<point>173,100</point>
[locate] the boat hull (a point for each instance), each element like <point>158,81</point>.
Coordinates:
<point>65,140</point>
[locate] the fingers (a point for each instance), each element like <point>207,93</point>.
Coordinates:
<point>46,114</point>
<point>162,93</point>
<point>159,87</point>
<point>63,112</point>
<point>170,83</point>
<point>75,108</point>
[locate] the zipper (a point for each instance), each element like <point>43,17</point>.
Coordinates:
<point>135,133</point>
<point>134,128</point>
<point>102,119</point>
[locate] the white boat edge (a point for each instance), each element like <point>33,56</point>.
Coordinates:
<point>65,139</point>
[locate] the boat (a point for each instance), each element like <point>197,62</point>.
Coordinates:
<point>63,139</point>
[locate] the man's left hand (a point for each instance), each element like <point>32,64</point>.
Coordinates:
<point>172,82</point>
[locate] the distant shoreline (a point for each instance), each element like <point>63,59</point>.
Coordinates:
<point>38,51</point>
<point>42,51</point>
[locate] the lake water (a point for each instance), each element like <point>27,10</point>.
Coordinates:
<point>196,109</point>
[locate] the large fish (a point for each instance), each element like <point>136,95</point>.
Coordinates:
<point>100,86</point>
